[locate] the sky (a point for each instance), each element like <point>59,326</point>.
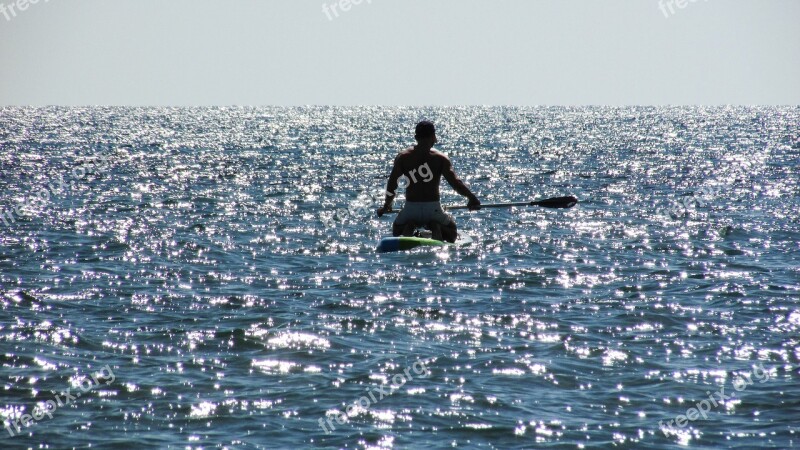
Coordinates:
<point>399,52</point>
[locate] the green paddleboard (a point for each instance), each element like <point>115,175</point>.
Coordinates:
<point>400,244</point>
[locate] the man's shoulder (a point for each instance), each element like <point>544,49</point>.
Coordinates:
<point>405,153</point>
<point>439,155</point>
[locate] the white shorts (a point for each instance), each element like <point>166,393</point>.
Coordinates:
<point>423,213</point>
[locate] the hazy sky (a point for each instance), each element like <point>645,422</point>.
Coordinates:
<point>400,52</point>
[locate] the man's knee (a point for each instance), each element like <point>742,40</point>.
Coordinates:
<point>405,229</point>
<point>398,229</point>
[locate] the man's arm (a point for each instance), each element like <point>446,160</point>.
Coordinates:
<point>391,187</point>
<point>449,174</point>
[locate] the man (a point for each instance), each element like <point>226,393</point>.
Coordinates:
<point>422,168</point>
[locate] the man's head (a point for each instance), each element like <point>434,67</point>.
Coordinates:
<point>426,133</point>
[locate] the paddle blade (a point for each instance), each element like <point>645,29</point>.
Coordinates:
<point>557,203</point>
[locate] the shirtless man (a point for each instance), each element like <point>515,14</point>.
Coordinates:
<point>422,168</point>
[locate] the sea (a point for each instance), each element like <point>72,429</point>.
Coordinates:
<point>206,278</point>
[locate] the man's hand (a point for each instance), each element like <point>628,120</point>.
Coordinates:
<point>474,204</point>
<point>384,210</point>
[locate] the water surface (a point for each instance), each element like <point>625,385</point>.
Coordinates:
<point>185,250</point>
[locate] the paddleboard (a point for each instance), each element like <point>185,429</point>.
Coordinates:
<point>401,244</point>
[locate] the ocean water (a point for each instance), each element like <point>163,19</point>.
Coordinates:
<point>206,278</point>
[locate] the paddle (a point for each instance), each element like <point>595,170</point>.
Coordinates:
<point>554,203</point>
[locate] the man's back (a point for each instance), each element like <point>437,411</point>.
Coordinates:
<point>423,173</point>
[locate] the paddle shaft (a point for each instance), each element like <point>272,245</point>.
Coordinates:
<point>558,202</point>
<point>493,205</point>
